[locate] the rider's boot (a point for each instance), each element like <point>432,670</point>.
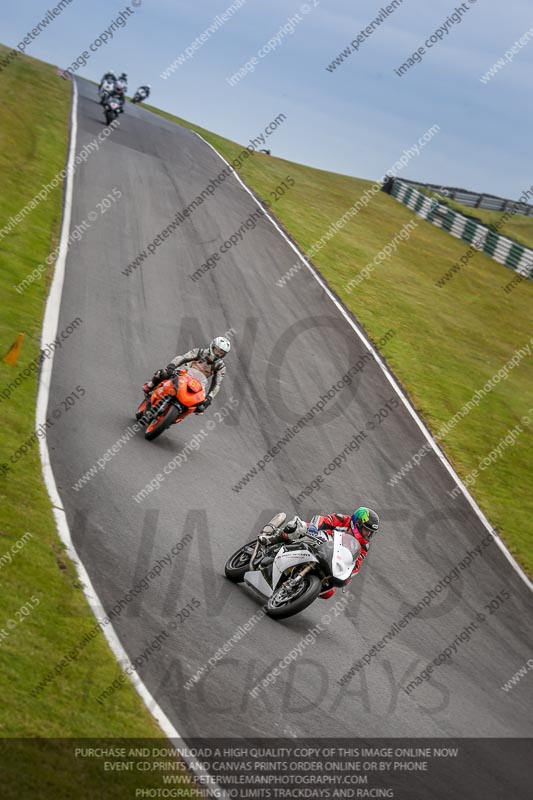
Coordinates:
<point>270,533</point>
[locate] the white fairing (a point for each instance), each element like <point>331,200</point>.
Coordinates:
<point>346,549</point>
<point>256,580</point>
<point>289,558</point>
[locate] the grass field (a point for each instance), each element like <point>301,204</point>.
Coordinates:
<point>35,573</point>
<point>449,340</point>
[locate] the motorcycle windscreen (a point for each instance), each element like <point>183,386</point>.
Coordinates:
<point>200,376</point>
<point>345,552</point>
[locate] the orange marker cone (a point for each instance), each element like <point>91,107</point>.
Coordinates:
<point>12,355</point>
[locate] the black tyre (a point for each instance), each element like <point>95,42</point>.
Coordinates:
<point>161,422</point>
<point>139,414</point>
<point>279,608</point>
<point>110,116</point>
<point>239,563</point>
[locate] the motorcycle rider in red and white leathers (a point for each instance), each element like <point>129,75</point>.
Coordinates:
<point>208,360</point>
<point>119,93</point>
<point>362,524</point>
<point>108,77</point>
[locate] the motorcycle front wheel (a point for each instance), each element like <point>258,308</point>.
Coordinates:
<point>286,602</point>
<point>161,422</point>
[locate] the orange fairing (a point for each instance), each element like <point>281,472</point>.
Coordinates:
<point>190,391</point>
<point>194,386</point>
<point>164,389</point>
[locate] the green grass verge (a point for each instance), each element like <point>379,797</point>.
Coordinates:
<point>449,340</point>
<point>33,144</point>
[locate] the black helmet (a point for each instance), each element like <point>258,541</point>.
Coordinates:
<point>365,521</point>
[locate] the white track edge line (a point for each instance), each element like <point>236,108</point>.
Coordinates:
<point>49,331</point>
<point>388,374</point>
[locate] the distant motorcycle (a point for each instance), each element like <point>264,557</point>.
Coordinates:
<point>139,96</point>
<point>291,575</point>
<point>111,109</point>
<point>171,401</point>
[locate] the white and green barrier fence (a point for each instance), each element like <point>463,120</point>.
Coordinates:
<point>491,202</point>
<point>505,251</point>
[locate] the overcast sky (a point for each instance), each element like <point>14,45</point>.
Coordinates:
<point>357,119</point>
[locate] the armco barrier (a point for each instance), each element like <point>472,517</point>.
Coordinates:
<point>490,202</point>
<point>505,251</point>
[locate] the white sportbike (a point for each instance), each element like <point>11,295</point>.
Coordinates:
<point>105,91</point>
<point>291,575</point>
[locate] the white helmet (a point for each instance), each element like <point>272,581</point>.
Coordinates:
<point>219,347</point>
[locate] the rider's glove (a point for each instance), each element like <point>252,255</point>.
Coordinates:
<point>160,375</point>
<point>319,535</point>
<point>201,407</point>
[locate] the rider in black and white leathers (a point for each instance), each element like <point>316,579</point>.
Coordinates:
<point>209,360</point>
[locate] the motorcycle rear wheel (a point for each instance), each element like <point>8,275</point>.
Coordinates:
<point>238,564</point>
<point>277,608</point>
<point>161,422</point>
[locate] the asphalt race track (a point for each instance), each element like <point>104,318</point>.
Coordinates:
<point>290,345</point>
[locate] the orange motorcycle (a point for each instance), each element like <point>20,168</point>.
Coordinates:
<point>171,401</point>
